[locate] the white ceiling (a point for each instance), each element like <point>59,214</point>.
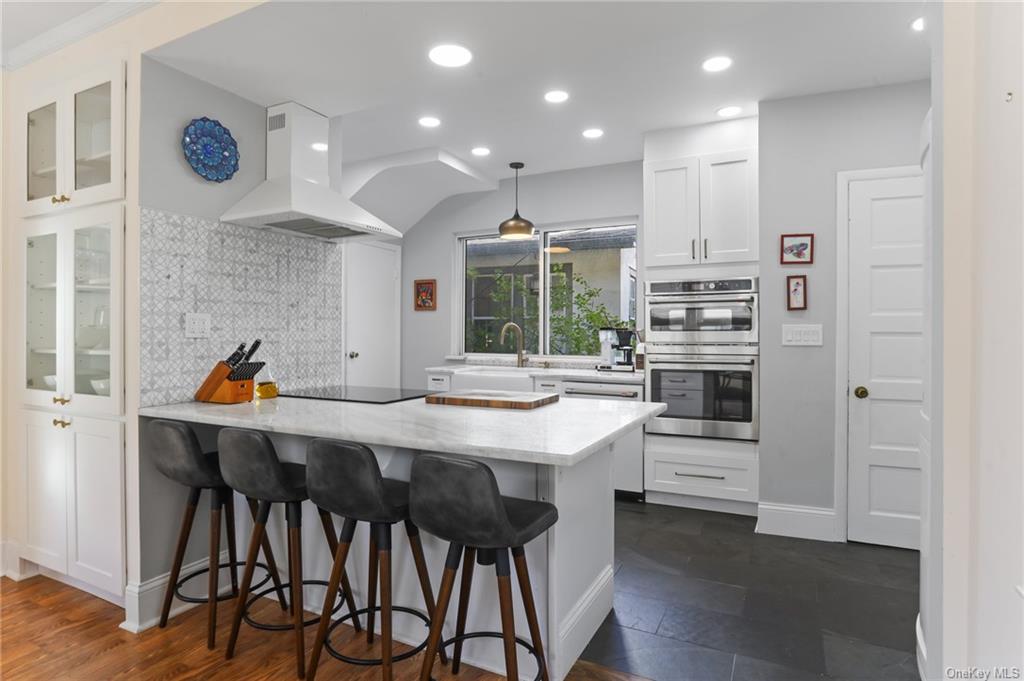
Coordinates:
<point>629,67</point>
<point>29,30</point>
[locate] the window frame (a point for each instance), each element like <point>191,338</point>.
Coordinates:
<point>458,278</point>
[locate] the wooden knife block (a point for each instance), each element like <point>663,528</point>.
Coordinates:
<point>220,389</point>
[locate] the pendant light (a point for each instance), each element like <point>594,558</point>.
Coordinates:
<point>516,227</point>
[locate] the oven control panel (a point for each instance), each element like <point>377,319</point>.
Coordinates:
<point>743,285</point>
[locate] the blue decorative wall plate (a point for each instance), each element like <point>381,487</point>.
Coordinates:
<point>210,149</point>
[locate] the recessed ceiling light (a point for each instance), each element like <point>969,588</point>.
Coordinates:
<point>556,96</point>
<point>730,111</point>
<point>917,24</point>
<point>450,56</point>
<point>481,151</point>
<point>319,146</point>
<point>593,133</point>
<point>714,64</point>
<point>430,122</point>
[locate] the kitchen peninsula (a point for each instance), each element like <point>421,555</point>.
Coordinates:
<point>561,453</point>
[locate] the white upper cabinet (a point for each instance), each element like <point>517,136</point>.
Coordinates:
<point>73,291</point>
<point>701,210</point>
<point>73,146</point>
<point>671,230</point>
<point>728,207</point>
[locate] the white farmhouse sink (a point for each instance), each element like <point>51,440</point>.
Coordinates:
<point>493,378</point>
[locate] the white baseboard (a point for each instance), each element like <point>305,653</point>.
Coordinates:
<point>142,602</point>
<point>803,522</point>
<point>922,649</point>
<point>13,566</point>
<point>583,620</point>
<point>702,503</point>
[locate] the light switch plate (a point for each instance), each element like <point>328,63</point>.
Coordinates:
<point>801,334</point>
<point>197,325</point>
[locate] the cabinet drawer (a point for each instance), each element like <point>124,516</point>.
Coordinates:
<point>721,474</point>
<point>438,381</point>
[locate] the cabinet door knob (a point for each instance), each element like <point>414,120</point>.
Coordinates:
<point>860,392</point>
<point>61,400</point>
<point>64,198</point>
<point>54,199</point>
<point>61,422</point>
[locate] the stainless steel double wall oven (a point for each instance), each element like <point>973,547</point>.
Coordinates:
<point>702,357</point>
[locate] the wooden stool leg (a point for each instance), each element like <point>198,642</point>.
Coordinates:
<point>179,552</point>
<point>346,589</point>
<point>519,558</point>
<point>384,547</point>
<point>268,553</point>
<point>421,571</point>
<point>468,562</point>
<point>294,514</point>
<point>258,529</point>
<point>444,597</point>
<point>337,570</point>
<point>214,571</point>
<point>508,622</point>
<point>371,586</point>
<point>229,523</point>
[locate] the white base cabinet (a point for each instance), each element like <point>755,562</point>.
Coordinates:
<point>702,467</point>
<point>73,491</point>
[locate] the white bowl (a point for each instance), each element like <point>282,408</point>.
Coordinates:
<point>101,386</point>
<point>50,380</point>
<point>91,336</point>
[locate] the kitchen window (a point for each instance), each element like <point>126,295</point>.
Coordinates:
<point>560,287</point>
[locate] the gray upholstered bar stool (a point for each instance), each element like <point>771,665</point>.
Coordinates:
<point>249,464</point>
<point>177,454</point>
<point>458,501</point>
<point>345,478</point>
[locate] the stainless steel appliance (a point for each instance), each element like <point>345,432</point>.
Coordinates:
<point>702,357</point>
<point>702,311</point>
<point>628,466</point>
<point>711,391</point>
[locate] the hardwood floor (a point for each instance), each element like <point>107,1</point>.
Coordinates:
<point>49,631</point>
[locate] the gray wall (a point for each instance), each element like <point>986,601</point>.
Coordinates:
<point>170,99</point>
<point>804,142</point>
<point>601,192</point>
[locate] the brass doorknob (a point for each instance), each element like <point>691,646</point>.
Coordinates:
<point>860,392</point>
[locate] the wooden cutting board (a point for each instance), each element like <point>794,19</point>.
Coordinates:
<point>494,399</point>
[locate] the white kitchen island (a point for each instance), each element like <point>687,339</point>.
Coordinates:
<point>561,453</point>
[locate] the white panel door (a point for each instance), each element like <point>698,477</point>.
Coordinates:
<point>96,504</point>
<point>44,452</point>
<point>671,225</point>
<point>728,207</point>
<point>886,257</point>
<point>373,273</point>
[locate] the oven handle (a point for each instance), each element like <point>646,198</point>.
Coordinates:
<point>655,299</point>
<point>598,393</point>
<point>653,362</point>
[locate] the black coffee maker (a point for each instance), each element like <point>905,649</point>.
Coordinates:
<point>616,349</point>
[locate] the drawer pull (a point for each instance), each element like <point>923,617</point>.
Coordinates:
<point>671,394</point>
<point>700,475</point>
<point>61,400</point>
<point>594,393</point>
<point>61,422</point>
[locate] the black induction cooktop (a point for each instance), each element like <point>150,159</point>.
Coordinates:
<point>357,393</point>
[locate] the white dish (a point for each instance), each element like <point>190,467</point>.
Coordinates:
<point>50,381</point>
<point>101,386</point>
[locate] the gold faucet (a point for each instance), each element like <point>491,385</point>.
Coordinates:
<point>520,355</point>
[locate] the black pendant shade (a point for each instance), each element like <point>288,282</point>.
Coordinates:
<point>516,227</point>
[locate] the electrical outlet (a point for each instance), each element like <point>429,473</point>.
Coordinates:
<point>801,334</point>
<point>197,325</point>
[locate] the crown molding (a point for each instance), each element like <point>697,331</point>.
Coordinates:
<point>71,31</point>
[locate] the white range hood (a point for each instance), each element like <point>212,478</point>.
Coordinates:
<point>297,196</point>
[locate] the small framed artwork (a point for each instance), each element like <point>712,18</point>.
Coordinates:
<point>796,292</point>
<point>424,292</point>
<point>796,249</point>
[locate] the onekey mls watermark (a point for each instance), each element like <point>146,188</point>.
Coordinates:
<point>983,673</point>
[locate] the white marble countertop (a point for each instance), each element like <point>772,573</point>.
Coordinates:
<point>559,434</point>
<point>566,374</point>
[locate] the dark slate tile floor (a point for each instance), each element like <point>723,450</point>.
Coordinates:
<point>700,597</point>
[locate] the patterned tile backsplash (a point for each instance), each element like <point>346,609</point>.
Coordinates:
<point>282,289</point>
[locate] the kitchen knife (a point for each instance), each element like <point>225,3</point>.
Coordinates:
<point>252,350</point>
<point>236,356</point>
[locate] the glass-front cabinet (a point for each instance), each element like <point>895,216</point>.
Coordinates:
<point>73,145</point>
<point>72,310</point>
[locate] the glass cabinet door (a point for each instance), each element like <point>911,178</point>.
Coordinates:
<point>92,309</point>
<point>41,138</point>
<point>92,136</point>
<point>42,339</point>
